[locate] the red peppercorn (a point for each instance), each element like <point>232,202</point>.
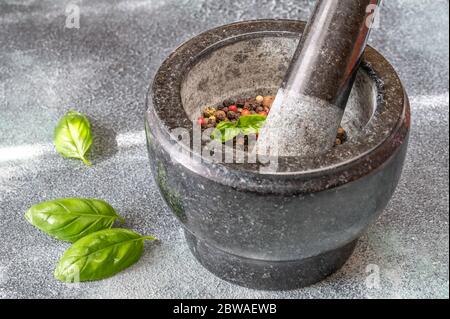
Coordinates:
<point>245,112</point>
<point>202,121</point>
<point>232,108</point>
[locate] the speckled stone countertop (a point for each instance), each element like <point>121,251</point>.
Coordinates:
<point>104,69</point>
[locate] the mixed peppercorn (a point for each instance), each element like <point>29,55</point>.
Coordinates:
<point>232,110</point>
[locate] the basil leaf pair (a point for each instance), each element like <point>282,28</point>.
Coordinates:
<point>73,136</point>
<point>100,255</point>
<point>70,219</point>
<point>246,125</point>
<point>98,251</point>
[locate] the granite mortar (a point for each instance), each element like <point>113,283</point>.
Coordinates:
<point>283,229</point>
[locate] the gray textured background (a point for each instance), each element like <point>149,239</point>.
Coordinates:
<point>104,69</point>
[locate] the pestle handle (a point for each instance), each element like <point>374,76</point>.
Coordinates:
<point>310,103</point>
<point>330,50</point>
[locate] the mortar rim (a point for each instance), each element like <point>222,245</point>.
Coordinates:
<point>359,165</point>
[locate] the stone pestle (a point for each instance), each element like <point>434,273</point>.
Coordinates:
<point>310,103</point>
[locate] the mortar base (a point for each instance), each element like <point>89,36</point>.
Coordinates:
<point>268,275</point>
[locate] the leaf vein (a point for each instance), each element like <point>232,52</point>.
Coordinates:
<point>104,248</point>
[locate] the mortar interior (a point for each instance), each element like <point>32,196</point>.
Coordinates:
<point>256,66</point>
<point>217,64</point>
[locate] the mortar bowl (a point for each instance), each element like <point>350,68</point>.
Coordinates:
<point>282,229</point>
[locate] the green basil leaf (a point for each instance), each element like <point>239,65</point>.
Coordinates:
<point>223,125</point>
<point>225,131</point>
<point>250,124</point>
<point>100,255</point>
<point>246,125</point>
<point>73,136</point>
<point>70,219</point>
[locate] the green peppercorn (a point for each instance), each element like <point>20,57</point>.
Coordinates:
<point>342,134</point>
<point>209,111</point>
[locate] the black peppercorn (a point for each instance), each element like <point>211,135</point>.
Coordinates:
<point>231,115</point>
<point>220,115</point>
<point>240,102</point>
<point>228,102</point>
